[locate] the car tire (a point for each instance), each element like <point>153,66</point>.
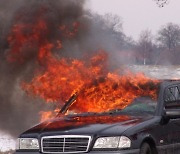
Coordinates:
<point>145,149</point>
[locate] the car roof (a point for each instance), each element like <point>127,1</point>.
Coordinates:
<point>168,82</point>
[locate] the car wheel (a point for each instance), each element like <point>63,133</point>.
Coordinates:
<point>145,149</point>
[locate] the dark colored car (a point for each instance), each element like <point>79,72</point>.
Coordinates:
<point>146,126</point>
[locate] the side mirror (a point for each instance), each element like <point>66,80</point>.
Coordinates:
<point>172,113</point>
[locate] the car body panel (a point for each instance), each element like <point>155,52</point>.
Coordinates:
<point>101,124</point>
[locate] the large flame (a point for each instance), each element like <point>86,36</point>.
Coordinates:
<point>98,88</point>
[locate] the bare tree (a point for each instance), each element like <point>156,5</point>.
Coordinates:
<point>113,21</point>
<point>169,36</point>
<point>145,45</point>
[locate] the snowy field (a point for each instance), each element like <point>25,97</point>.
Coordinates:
<point>159,72</point>
<point>6,143</point>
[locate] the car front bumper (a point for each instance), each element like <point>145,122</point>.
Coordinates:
<point>133,151</point>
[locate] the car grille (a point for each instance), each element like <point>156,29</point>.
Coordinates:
<point>65,144</point>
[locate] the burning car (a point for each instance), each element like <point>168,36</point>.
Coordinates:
<point>149,124</point>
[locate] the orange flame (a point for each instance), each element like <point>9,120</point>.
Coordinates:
<point>98,88</point>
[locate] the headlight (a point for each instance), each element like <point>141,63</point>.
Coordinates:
<point>112,142</point>
<point>124,142</point>
<point>28,143</point>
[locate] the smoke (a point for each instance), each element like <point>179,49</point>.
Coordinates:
<point>19,51</point>
<point>18,111</point>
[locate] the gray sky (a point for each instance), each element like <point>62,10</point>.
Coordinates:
<point>138,15</point>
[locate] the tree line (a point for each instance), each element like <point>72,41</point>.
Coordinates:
<point>163,48</point>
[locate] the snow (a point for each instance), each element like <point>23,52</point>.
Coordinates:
<point>158,71</point>
<point>6,143</point>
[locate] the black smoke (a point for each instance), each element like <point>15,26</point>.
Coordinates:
<point>18,111</point>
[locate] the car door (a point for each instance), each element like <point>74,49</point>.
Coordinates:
<point>172,101</point>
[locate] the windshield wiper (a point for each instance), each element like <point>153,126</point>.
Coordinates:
<point>68,103</point>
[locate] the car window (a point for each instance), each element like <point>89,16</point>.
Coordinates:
<point>172,96</point>
<point>141,105</point>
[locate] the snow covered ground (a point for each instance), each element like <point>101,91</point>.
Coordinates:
<point>6,143</point>
<point>158,71</point>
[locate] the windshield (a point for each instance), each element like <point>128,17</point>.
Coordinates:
<point>139,106</point>
<point>128,97</point>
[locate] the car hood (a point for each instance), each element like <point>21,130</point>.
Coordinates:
<point>89,124</point>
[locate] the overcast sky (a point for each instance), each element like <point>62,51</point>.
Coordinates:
<point>138,15</point>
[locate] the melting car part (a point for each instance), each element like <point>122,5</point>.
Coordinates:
<point>68,103</point>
